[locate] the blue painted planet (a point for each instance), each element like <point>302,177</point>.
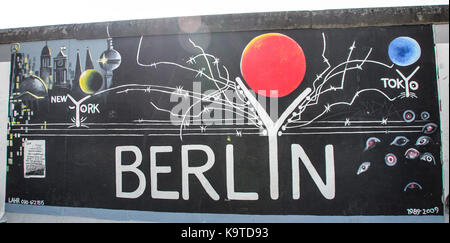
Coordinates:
<point>404,51</point>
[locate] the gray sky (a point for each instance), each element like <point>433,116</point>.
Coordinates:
<point>28,13</point>
<point>96,48</point>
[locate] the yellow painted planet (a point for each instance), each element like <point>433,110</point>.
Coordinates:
<point>91,81</point>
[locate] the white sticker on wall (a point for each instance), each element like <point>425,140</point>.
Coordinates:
<point>34,159</point>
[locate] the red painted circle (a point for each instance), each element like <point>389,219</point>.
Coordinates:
<point>273,62</point>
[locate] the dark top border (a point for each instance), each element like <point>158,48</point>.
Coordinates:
<point>342,18</point>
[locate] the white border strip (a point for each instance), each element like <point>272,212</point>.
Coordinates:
<point>4,100</point>
<point>170,217</point>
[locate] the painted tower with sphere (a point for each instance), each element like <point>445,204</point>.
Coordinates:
<point>109,61</point>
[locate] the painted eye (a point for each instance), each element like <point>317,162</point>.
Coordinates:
<point>390,159</point>
<point>371,142</point>
<point>425,115</point>
<point>423,140</point>
<point>428,157</point>
<point>412,186</point>
<point>400,141</point>
<point>363,167</point>
<point>412,153</point>
<point>409,116</point>
<point>429,128</point>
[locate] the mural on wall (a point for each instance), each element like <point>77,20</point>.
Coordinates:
<point>315,122</point>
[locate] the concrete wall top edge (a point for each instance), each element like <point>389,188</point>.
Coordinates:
<point>341,18</point>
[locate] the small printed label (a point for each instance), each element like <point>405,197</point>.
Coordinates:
<point>34,159</point>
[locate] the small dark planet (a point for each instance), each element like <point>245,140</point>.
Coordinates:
<point>33,87</point>
<point>91,81</point>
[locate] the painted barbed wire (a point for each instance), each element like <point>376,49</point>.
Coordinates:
<point>328,74</point>
<point>221,83</point>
